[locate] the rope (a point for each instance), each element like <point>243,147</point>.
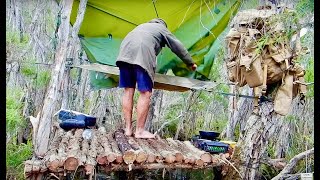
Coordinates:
<point>185,14</point>
<point>154,5</point>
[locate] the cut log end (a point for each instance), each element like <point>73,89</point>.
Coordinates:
<point>159,159</point>
<point>179,157</point>
<point>151,158</point>
<point>170,158</point>
<point>111,157</point>
<point>206,157</point>
<point>192,160</point>
<point>141,157</point>
<point>53,165</point>
<point>71,164</point>
<point>102,160</point>
<point>89,169</point>
<point>119,159</point>
<point>129,157</point>
<point>199,162</point>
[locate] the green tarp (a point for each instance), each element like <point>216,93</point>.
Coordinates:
<point>107,22</point>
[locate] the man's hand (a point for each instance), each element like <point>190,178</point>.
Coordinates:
<point>193,67</point>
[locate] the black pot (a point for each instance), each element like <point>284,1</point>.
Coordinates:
<point>210,135</point>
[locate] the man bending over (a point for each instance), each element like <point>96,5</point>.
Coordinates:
<point>137,62</point>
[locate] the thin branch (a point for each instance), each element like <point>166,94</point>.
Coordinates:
<point>292,164</point>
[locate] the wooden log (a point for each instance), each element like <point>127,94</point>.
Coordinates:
<point>27,171</point>
<point>71,162</point>
<point>179,156</point>
<point>189,158</point>
<point>100,151</point>
<point>107,155</point>
<point>84,151</point>
<point>51,158</point>
<point>115,148</point>
<point>129,155</point>
<point>205,156</point>
<point>152,154</point>
<point>34,166</point>
<point>168,156</point>
<point>194,158</point>
<point>92,155</point>
<point>153,166</point>
<point>141,154</point>
<point>62,155</point>
<point>216,160</point>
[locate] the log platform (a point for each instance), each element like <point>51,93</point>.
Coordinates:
<point>114,151</point>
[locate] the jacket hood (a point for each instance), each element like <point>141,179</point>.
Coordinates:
<point>158,20</point>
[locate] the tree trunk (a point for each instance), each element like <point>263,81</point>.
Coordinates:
<point>253,142</point>
<point>74,45</point>
<point>239,110</point>
<point>49,106</point>
<point>188,104</point>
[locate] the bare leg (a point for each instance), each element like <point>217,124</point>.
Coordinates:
<point>142,113</point>
<point>127,105</point>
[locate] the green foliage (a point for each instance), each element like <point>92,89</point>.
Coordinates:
<point>237,131</point>
<point>249,4</point>
<point>87,103</point>
<point>309,77</point>
<point>43,79</point>
<point>13,109</point>
<point>304,6</point>
<point>267,171</point>
<point>28,68</point>
<point>205,174</point>
<point>219,123</point>
<point>15,156</point>
<point>13,39</point>
<point>262,42</point>
<point>74,73</point>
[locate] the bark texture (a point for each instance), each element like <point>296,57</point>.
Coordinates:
<point>253,142</point>
<point>49,106</point>
<point>129,155</point>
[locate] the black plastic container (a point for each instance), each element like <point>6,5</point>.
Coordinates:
<point>72,123</point>
<point>67,115</point>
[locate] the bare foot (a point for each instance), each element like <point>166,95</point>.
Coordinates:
<point>144,135</point>
<point>128,132</point>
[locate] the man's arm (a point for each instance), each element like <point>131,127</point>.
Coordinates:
<point>177,47</point>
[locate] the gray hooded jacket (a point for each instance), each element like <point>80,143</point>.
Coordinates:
<point>142,45</point>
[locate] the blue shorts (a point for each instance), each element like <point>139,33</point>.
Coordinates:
<point>131,74</point>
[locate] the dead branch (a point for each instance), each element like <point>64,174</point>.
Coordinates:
<point>292,163</point>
